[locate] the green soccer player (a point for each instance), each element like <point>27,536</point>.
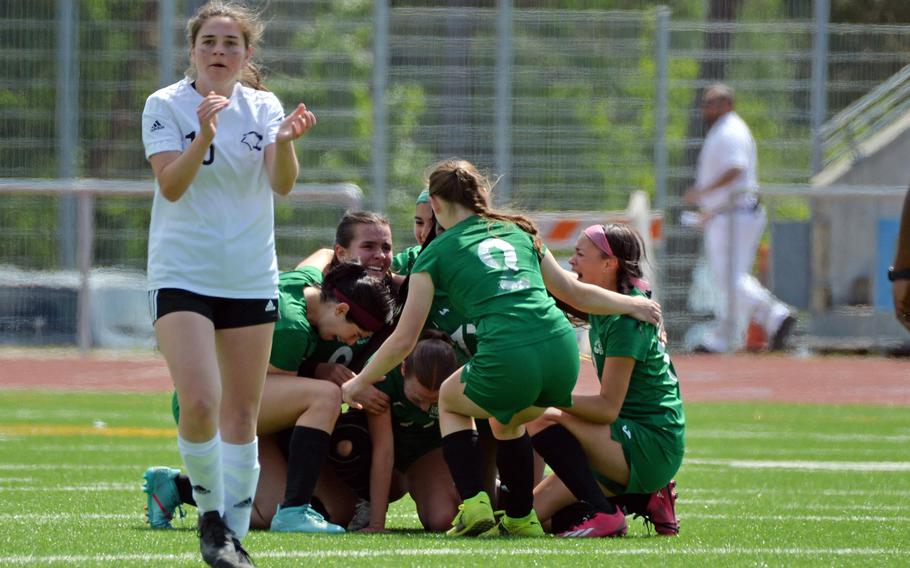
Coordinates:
<point>631,432</point>
<point>496,273</point>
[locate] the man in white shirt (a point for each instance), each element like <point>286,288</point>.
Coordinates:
<point>726,192</point>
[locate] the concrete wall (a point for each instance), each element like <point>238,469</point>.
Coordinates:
<point>845,228</point>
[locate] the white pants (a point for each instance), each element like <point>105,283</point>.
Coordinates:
<point>731,256</point>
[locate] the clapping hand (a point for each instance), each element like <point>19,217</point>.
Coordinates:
<point>295,124</point>
<point>207,113</point>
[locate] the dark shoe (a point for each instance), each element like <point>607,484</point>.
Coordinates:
<point>702,349</point>
<point>779,341</point>
<point>242,555</point>
<point>216,542</point>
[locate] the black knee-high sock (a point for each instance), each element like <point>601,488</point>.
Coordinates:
<point>515,459</point>
<point>185,489</point>
<point>308,449</point>
<point>462,454</point>
<point>565,456</point>
<point>632,503</point>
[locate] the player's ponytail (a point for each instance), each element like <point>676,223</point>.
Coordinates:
<point>459,181</point>
<point>251,76</point>
<point>623,243</point>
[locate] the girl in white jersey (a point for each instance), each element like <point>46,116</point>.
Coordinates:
<point>219,145</point>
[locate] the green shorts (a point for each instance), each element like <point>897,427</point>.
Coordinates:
<point>506,381</point>
<point>409,448</point>
<point>653,460</point>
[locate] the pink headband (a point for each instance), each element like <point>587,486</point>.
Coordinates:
<point>361,317</point>
<point>598,236</point>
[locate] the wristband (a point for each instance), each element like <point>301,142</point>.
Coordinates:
<point>902,274</point>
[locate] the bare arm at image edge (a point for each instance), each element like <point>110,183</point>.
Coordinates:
<point>900,289</point>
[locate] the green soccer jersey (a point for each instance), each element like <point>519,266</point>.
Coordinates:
<point>294,338</point>
<point>442,316</point>
<point>334,351</point>
<point>404,261</point>
<point>653,397</point>
<point>491,273</point>
<point>445,318</point>
<point>408,419</point>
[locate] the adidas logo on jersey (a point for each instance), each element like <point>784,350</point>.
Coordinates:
<point>270,307</point>
<point>156,126</point>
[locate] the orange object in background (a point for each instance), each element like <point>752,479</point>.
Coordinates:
<point>755,335</point>
<point>755,338</point>
<point>762,263</point>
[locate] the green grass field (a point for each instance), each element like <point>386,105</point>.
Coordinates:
<point>763,484</point>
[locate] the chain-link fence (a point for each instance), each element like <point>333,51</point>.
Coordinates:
<point>569,108</point>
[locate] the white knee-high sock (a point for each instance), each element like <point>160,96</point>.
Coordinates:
<point>241,474</point>
<point>203,466</point>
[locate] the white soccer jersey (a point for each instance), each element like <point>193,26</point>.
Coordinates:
<point>218,239</point>
<point>728,144</point>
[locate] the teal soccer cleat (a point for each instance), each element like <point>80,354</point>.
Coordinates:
<point>303,519</point>
<point>163,497</point>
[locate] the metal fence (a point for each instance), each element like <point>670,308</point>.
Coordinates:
<point>102,301</point>
<point>569,109</point>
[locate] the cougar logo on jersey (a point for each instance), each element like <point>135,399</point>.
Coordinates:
<point>253,140</point>
<point>598,348</point>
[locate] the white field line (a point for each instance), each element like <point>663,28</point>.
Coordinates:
<point>799,491</point>
<point>696,434</point>
<point>68,467</point>
<point>805,453</point>
<point>56,517</point>
<point>60,517</point>
<point>94,447</point>
<point>805,465</point>
<point>459,553</point>
<point>803,506</point>
<point>86,488</point>
<point>798,515</point>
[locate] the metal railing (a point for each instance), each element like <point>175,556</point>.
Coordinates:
<point>87,191</point>
<point>843,135</point>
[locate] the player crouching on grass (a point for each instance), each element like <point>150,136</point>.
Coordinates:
<point>404,452</point>
<point>632,433</point>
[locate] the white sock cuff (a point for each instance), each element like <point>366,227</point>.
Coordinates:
<point>197,448</point>
<point>240,453</point>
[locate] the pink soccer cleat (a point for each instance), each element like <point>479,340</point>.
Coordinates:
<point>599,525</point>
<point>661,511</point>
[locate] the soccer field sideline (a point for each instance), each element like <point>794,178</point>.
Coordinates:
<point>782,378</point>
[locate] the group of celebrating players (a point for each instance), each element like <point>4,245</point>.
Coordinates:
<point>455,366</point>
